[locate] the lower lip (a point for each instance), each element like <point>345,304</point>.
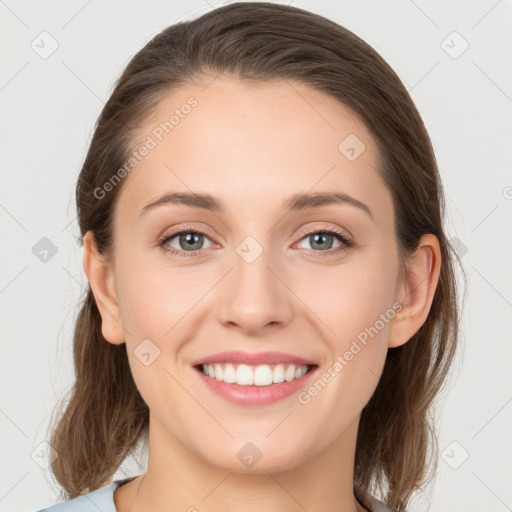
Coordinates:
<point>255,395</point>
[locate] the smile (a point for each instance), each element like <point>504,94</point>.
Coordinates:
<point>245,390</point>
<point>249,375</point>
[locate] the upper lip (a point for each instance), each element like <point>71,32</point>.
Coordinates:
<point>240,357</point>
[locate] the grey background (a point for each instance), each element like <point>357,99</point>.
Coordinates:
<point>49,107</point>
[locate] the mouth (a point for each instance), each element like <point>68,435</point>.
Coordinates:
<point>254,379</point>
<point>255,375</point>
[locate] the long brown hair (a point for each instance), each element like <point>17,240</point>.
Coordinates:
<point>105,416</point>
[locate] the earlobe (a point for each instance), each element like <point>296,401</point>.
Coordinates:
<point>416,290</point>
<point>101,280</point>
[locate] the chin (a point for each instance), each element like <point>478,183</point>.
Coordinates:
<point>248,458</point>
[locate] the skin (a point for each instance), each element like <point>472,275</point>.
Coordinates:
<point>243,143</point>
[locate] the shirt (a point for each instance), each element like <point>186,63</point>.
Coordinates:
<point>100,499</point>
<point>103,499</point>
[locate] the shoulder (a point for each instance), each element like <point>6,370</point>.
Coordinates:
<point>100,499</point>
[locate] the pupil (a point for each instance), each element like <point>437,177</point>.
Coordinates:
<point>190,239</point>
<point>320,236</point>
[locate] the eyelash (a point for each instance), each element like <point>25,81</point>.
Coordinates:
<point>342,237</point>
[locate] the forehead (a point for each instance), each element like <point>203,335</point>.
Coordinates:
<point>251,142</point>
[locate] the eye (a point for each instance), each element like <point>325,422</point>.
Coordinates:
<point>323,240</point>
<point>189,241</point>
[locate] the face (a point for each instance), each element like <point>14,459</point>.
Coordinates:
<point>253,275</point>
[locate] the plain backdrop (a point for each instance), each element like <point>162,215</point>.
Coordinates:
<point>58,66</point>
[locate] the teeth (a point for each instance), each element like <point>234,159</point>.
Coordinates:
<point>244,375</point>
<point>278,374</point>
<point>229,374</point>
<point>261,375</point>
<point>289,374</point>
<point>219,372</point>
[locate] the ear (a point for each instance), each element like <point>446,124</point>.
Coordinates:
<point>415,290</point>
<point>101,279</point>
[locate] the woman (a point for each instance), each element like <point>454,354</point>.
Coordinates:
<point>264,370</point>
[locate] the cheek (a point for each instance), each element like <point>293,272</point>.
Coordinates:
<point>357,353</point>
<point>159,308</point>
<point>155,298</point>
<point>353,296</point>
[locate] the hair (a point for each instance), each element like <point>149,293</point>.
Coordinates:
<point>105,416</point>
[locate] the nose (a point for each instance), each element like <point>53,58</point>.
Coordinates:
<point>254,297</point>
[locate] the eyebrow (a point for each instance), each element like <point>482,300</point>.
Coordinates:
<point>297,202</point>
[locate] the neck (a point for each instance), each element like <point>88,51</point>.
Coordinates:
<point>177,479</point>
